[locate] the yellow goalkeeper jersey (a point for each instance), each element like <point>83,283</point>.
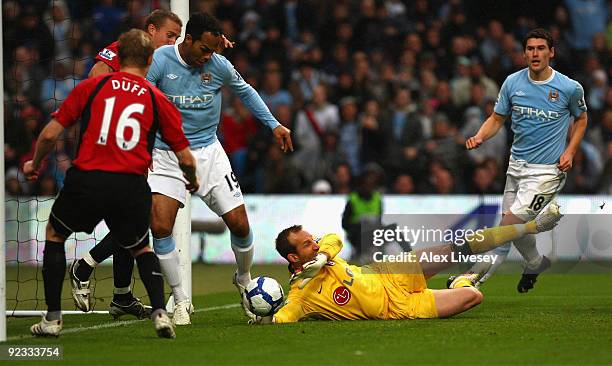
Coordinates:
<point>343,291</point>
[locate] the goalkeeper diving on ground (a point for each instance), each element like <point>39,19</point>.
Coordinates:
<point>325,286</point>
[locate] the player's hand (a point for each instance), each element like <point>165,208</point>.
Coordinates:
<point>283,137</point>
<point>192,183</point>
<point>473,142</point>
<point>261,320</point>
<point>225,43</point>
<point>29,171</point>
<point>309,270</point>
<point>566,161</point>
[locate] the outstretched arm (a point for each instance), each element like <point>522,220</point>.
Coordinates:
<point>488,129</point>
<point>45,143</point>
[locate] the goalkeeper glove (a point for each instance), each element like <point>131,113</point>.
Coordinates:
<point>309,270</point>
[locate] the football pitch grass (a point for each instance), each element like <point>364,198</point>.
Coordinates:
<point>566,320</point>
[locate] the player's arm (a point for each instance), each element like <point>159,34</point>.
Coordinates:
<point>67,114</point>
<point>44,144</point>
<point>329,246</point>
<point>256,105</point>
<point>293,311</point>
<point>578,109</point>
<point>488,129</point>
<point>188,165</point>
<point>99,68</point>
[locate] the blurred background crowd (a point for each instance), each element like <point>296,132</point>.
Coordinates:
<point>376,91</point>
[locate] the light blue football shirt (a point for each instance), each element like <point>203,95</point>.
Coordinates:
<point>196,92</point>
<point>540,112</point>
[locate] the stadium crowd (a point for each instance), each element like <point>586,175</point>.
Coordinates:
<point>384,87</point>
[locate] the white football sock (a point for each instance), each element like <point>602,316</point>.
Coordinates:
<point>244,260</point>
<point>528,249</point>
<point>170,268</point>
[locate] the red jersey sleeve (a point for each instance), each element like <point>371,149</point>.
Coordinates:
<point>70,110</point>
<point>170,122</point>
<point>110,56</point>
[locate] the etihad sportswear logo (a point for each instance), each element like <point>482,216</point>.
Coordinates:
<point>107,54</point>
<point>535,113</point>
<point>191,101</point>
<point>172,76</point>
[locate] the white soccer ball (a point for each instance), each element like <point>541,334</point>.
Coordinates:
<point>265,296</point>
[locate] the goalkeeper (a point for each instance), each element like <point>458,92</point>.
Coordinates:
<point>325,286</point>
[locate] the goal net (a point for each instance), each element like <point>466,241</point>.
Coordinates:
<point>47,50</point>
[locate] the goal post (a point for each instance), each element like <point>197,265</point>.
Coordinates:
<point>2,205</point>
<point>182,226</point>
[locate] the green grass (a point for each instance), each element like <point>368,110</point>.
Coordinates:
<point>567,320</point>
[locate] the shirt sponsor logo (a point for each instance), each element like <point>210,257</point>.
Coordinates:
<point>531,112</point>
<point>107,54</point>
<point>191,101</point>
<point>172,76</point>
<point>341,295</point>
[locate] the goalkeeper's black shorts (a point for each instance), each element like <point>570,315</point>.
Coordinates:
<point>123,201</point>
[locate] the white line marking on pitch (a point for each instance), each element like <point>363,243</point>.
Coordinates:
<point>119,323</point>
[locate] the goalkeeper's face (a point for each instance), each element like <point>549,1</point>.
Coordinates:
<point>306,248</point>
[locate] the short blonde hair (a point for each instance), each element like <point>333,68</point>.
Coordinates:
<point>135,48</point>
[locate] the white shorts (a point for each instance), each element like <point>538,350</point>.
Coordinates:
<point>219,187</point>
<point>530,187</point>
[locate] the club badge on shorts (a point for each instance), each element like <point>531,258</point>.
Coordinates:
<point>341,295</point>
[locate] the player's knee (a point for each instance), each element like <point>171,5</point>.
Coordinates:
<point>240,229</point>
<point>138,251</point>
<point>52,234</point>
<point>141,247</point>
<point>161,229</point>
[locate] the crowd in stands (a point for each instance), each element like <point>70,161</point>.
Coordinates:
<point>385,86</point>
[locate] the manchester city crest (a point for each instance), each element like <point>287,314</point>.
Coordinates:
<point>553,95</point>
<point>206,77</point>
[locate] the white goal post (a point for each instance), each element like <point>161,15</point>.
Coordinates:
<point>2,204</point>
<point>182,225</point>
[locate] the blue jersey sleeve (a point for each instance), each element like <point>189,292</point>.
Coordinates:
<point>577,105</point>
<point>503,105</point>
<point>249,96</point>
<point>155,71</point>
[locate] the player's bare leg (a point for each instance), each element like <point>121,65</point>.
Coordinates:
<point>163,215</point>
<point>242,246</point>
<point>457,300</point>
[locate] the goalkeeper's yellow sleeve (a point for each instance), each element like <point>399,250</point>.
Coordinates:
<point>291,312</point>
<point>330,244</point>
